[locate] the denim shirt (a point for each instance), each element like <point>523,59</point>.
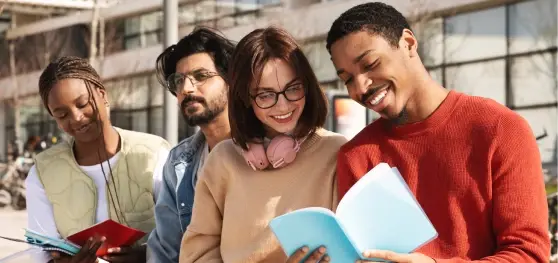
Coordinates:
<point>173,209</point>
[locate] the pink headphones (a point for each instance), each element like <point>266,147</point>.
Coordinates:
<point>281,151</point>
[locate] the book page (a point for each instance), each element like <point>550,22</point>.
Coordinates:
<point>314,227</point>
<point>380,212</point>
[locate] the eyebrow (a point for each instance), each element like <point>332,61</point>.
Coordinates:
<point>286,85</point>
<point>356,60</point>
<point>62,108</point>
<point>196,70</point>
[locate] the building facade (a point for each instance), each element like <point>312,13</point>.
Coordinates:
<point>503,50</point>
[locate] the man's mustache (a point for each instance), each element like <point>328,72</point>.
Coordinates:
<point>191,98</point>
<point>367,95</point>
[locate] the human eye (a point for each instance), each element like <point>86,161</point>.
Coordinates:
<point>201,76</point>
<point>266,96</point>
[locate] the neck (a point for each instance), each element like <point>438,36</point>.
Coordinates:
<point>110,146</point>
<point>426,98</point>
<point>217,130</point>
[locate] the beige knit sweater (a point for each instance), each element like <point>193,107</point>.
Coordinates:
<point>234,204</point>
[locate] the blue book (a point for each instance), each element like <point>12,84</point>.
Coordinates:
<point>378,212</point>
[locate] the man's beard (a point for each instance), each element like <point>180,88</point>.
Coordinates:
<point>209,113</point>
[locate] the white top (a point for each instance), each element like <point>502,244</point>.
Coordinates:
<point>39,209</point>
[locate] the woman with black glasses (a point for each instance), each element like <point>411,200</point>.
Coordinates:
<point>279,159</point>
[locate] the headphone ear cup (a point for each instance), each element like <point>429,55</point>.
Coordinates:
<point>255,156</point>
<point>280,151</point>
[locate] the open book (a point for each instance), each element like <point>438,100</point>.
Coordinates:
<point>117,235</point>
<point>378,212</point>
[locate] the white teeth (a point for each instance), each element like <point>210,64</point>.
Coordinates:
<point>283,116</point>
<point>82,128</point>
<point>378,97</point>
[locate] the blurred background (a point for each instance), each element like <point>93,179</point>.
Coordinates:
<point>503,50</point>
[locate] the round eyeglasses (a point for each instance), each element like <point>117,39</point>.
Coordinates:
<point>176,81</point>
<point>268,99</point>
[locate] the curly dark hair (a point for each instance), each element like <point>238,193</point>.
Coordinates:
<point>377,18</point>
<point>200,40</point>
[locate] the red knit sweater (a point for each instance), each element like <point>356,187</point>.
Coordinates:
<point>475,168</point>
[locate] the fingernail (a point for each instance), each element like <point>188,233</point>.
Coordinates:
<point>110,250</point>
<point>103,239</point>
<point>322,249</point>
<point>90,239</point>
<point>305,249</point>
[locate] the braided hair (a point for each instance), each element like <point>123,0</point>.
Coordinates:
<point>67,67</point>
<point>70,67</point>
<point>376,18</point>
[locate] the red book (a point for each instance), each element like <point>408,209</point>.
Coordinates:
<point>117,235</point>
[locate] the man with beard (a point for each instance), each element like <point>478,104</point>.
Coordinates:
<point>194,70</point>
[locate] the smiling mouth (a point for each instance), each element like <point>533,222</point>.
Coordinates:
<point>284,116</point>
<point>379,95</point>
<point>83,128</point>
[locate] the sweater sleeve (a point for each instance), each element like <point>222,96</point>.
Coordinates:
<point>201,242</point>
<point>520,211</point>
<point>345,176</point>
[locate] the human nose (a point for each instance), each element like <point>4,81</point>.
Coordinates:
<point>188,86</point>
<point>282,101</point>
<point>77,115</point>
<point>362,82</point>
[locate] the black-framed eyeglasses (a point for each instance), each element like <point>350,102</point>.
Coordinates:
<point>268,99</point>
<point>176,81</point>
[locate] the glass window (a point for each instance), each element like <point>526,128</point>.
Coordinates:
<point>485,79</point>
<point>246,18</point>
<point>152,21</point>
<point>186,14</point>
<point>543,121</point>
<point>249,4</point>
<point>533,79</point>
<point>533,25</point>
<point>225,22</point>
<point>157,91</point>
<point>205,10</point>
<point>436,74</point>
<point>9,113</point>
<point>121,119</point>
<point>349,116</point>
<point>319,59</point>
<point>132,25</point>
<point>132,42</point>
<point>152,38</point>
<point>156,121</point>
<point>476,35</point>
<point>129,93</point>
<point>139,120</point>
<point>30,109</point>
<point>431,40</point>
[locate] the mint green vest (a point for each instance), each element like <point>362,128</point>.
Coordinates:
<point>73,194</point>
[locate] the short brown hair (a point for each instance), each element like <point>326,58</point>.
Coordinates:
<point>248,61</point>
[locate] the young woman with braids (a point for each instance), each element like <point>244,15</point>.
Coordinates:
<point>68,188</point>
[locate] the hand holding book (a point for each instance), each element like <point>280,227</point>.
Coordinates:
<point>86,254</point>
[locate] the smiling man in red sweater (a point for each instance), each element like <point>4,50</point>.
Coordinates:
<point>473,164</point>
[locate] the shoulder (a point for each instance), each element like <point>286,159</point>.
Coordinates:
<point>144,137</point>
<point>53,151</point>
<point>370,136</point>
<point>225,149</point>
<point>483,113</point>
<point>331,138</point>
